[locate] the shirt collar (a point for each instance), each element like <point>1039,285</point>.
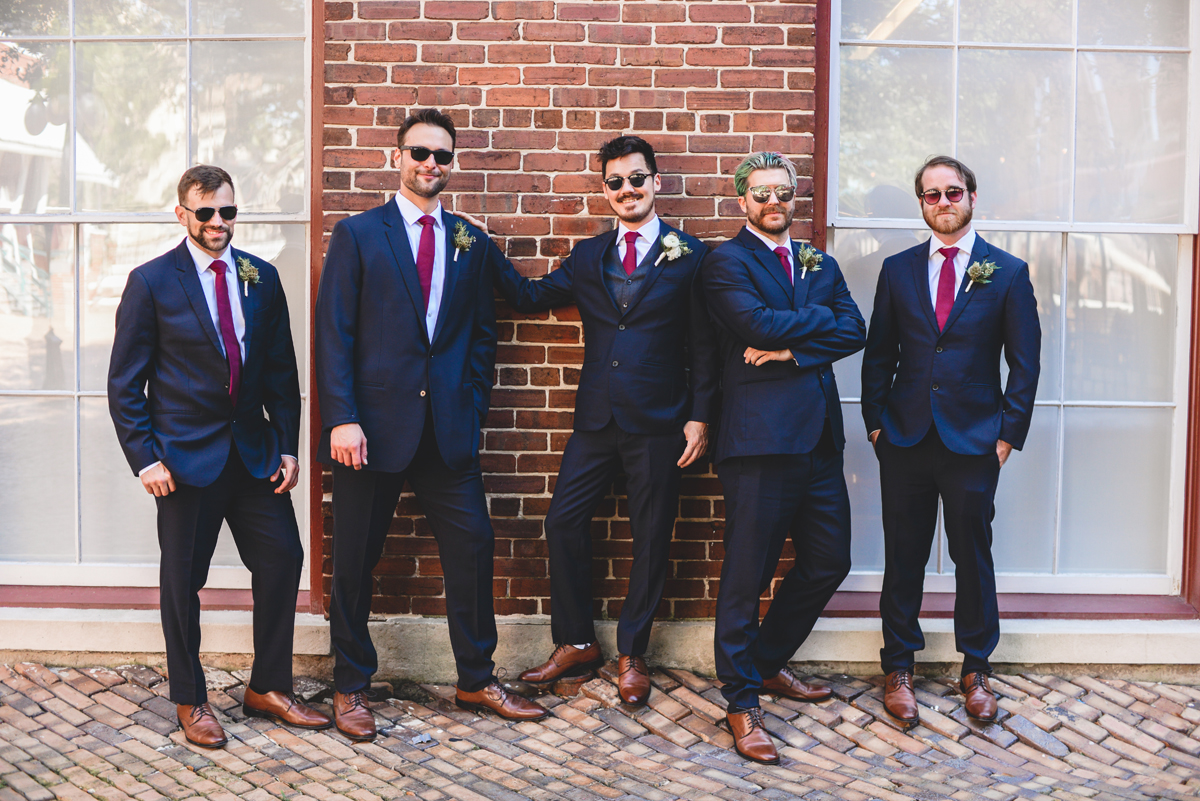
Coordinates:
<point>649,230</point>
<point>202,260</point>
<point>410,212</point>
<point>771,245</point>
<point>964,245</point>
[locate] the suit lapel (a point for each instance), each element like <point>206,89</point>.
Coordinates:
<point>248,298</point>
<point>606,247</point>
<point>767,260</point>
<point>800,285</point>
<point>978,253</point>
<point>454,268</point>
<point>653,271</point>
<point>397,238</point>
<point>920,275</point>
<point>190,281</point>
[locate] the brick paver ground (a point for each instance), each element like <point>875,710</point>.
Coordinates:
<point>111,734</point>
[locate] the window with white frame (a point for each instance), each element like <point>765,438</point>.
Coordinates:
<point>1075,116</point>
<point>103,105</point>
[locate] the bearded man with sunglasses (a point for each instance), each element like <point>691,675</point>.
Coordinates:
<point>785,315</point>
<point>205,397</point>
<point>941,425</point>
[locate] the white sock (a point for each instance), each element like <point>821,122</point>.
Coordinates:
<point>581,647</point>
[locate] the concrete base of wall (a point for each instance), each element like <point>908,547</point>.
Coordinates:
<point>419,647</point>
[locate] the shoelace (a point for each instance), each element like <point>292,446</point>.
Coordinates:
<point>636,665</point>
<point>902,679</point>
<point>756,717</point>
<point>979,680</point>
<point>202,711</point>
<point>356,700</point>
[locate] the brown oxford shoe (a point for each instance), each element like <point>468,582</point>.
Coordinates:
<point>633,679</point>
<point>785,684</point>
<point>981,701</point>
<point>283,708</point>
<point>567,660</point>
<point>750,738</point>
<point>496,699</point>
<point>352,716</point>
<point>898,696</point>
<point>200,725</point>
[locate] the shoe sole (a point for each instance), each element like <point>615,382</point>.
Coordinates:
<point>251,712</point>
<point>798,697</point>
<point>358,738</point>
<point>206,745</point>
<point>913,719</point>
<point>473,707</point>
<point>992,719</point>
<point>571,673</point>
<point>744,755</point>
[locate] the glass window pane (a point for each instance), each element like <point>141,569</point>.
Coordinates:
<point>862,481</point>
<point>132,114</point>
<point>285,246</point>
<point>130,17</point>
<point>1015,21</point>
<point>37,307</point>
<point>33,18</point>
<point>1027,500</point>
<point>1121,304</point>
<point>34,128</point>
<point>1016,134</point>
<point>1116,477</point>
<point>1131,130</point>
<point>248,117</point>
<point>911,20</point>
<point>118,517</point>
<point>1162,23</point>
<point>259,16</point>
<point>37,479</point>
<point>884,141</point>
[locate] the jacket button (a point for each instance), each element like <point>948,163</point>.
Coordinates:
<point>423,392</point>
<point>615,363</point>
<point>938,349</point>
<point>935,388</point>
<point>621,327</point>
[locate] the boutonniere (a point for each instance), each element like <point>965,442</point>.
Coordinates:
<point>980,273</point>
<point>247,272</point>
<point>672,248</point>
<point>462,239</point>
<point>809,258</point>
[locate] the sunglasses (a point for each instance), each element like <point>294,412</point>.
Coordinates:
<point>442,157</point>
<point>205,213</point>
<point>615,182</point>
<point>763,193</point>
<point>953,194</point>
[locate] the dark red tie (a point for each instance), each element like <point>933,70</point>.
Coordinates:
<point>945,296</point>
<point>233,351</point>
<point>785,261</point>
<point>425,251</point>
<point>630,260</point>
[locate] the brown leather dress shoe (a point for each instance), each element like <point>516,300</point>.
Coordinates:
<point>633,679</point>
<point>750,738</point>
<point>200,725</point>
<point>495,698</point>
<point>785,684</point>
<point>283,708</point>
<point>567,660</point>
<point>898,696</point>
<point>981,701</point>
<point>352,716</point>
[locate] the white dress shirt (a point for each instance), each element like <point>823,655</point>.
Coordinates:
<point>936,259</point>
<point>412,226</point>
<point>772,244</point>
<point>647,236</point>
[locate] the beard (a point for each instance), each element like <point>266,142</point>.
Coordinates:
<point>947,225</point>
<point>639,212</point>
<point>420,189</point>
<point>759,219</point>
<point>214,242</point>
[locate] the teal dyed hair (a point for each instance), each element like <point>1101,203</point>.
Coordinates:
<point>762,160</point>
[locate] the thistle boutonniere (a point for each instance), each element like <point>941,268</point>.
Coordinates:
<point>980,273</point>
<point>809,258</point>
<point>247,272</point>
<point>672,248</point>
<point>462,240</point>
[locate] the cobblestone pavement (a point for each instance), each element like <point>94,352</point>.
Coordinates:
<point>111,734</point>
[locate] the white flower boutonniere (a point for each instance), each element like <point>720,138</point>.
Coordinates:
<point>462,240</point>
<point>672,248</point>
<point>809,258</point>
<point>980,273</point>
<point>247,272</point>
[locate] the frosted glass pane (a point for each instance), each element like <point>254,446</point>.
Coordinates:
<point>250,16</point>
<point>1026,500</point>
<point>1121,301</point>
<point>1015,21</point>
<point>1016,134</point>
<point>37,479</point>
<point>1116,477</point>
<point>887,128</point>
<point>1131,129</point>
<point>914,20</point>
<point>130,17</point>
<point>39,18</point>
<point>248,117</point>
<point>862,481</point>
<point>285,246</point>
<point>132,115</point>
<point>34,128</point>
<point>1162,23</point>
<point>108,252</point>
<point>37,307</point>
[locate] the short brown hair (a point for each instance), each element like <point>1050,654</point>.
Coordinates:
<point>205,176</point>
<point>427,116</point>
<point>963,171</point>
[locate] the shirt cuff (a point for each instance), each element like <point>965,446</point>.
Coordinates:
<point>289,456</point>
<point>148,467</point>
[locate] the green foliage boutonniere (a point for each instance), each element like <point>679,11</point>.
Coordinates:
<point>247,272</point>
<point>672,248</point>
<point>462,240</point>
<point>980,273</point>
<point>810,259</point>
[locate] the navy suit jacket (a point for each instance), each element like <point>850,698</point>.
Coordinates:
<point>168,381</point>
<point>779,407</point>
<point>634,358</point>
<point>375,363</point>
<point>914,376</point>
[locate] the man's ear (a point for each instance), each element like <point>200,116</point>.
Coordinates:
<point>742,203</point>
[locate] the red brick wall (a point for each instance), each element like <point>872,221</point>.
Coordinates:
<point>534,88</point>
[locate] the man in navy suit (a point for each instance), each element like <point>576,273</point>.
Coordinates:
<point>644,403</point>
<point>941,425</point>
<point>405,348</point>
<point>785,315</point>
<point>202,350</point>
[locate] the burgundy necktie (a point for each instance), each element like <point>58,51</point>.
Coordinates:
<point>425,251</point>
<point>945,295</point>
<point>630,260</point>
<point>785,261</point>
<point>233,351</point>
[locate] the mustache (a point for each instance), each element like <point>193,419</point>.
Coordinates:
<point>629,196</point>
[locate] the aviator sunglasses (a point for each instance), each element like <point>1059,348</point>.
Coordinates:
<point>953,194</point>
<point>615,182</point>
<point>762,194</point>
<point>442,157</point>
<point>205,213</point>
